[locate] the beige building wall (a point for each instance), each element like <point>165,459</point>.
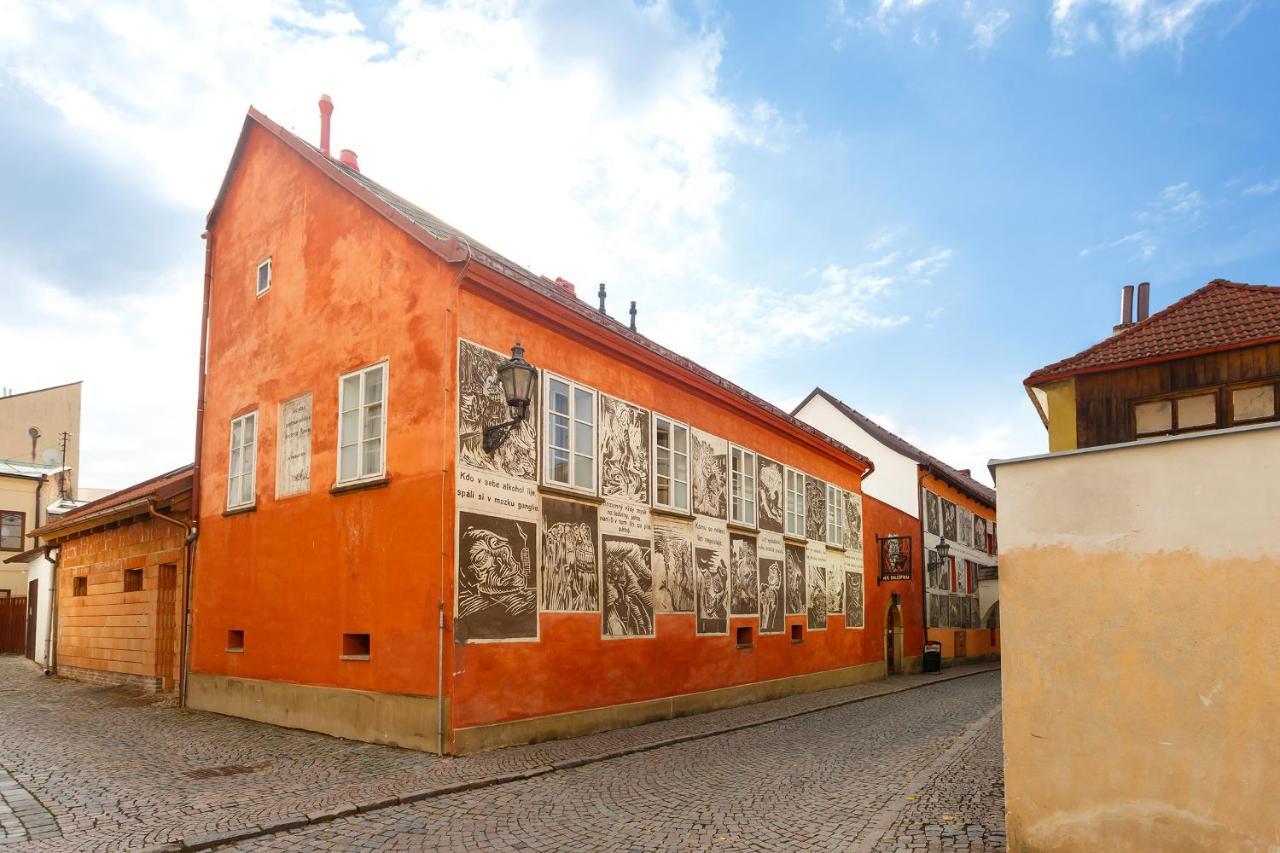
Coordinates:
<point>18,494</point>
<point>1140,589</point>
<point>52,411</point>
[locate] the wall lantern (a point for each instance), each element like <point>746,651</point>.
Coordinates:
<point>943,550</point>
<point>518,378</point>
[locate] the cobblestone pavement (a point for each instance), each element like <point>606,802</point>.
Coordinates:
<point>911,771</point>
<point>108,769</point>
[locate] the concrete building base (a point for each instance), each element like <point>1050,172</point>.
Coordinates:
<point>387,718</point>
<point>107,678</point>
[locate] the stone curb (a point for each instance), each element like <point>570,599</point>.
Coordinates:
<point>208,841</point>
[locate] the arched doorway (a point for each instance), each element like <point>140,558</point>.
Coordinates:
<point>893,637</point>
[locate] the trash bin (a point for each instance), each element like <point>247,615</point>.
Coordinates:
<point>933,657</point>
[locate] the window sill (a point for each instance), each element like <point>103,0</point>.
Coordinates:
<point>743,528</point>
<point>839,548</point>
<point>240,510</point>
<point>672,513</point>
<point>354,657</point>
<point>566,492</point>
<point>794,539</point>
<point>235,651</point>
<point>360,485</point>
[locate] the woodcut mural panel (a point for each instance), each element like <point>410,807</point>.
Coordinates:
<point>769,495</point>
<point>673,570</point>
<point>744,576</point>
<point>815,561</point>
<point>948,520</point>
<point>627,582</point>
<point>815,503</point>
<point>482,403</point>
<point>497,579</point>
<point>710,473</point>
<point>624,450</point>
<point>853,600</point>
<point>772,555</point>
<point>796,579</point>
<point>931,514</point>
<point>570,564</point>
<point>710,554</point>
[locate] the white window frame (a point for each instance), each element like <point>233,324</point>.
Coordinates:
<point>259,290</point>
<point>793,509</point>
<point>281,461</point>
<point>361,439</point>
<point>835,516</point>
<point>236,453</point>
<point>742,485</point>
<point>671,468</point>
<point>574,420</point>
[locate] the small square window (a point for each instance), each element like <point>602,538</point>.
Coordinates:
<point>235,640</point>
<point>1153,418</point>
<point>1253,404</point>
<point>797,633</point>
<point>745,638</point>
<point>1198,411</point>
<point>80,585</point>
<point>133,580</point>
<point>355,646</point>
<point>264,276</point>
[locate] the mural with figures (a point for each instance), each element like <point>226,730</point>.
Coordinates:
<point>815,564</point>
<point>713,591</point>
<point>481,403</point>
<point>853,601</point>
<point>796,579</point>
<point>624,451</point>
<point>853,523</point>
<point>710,470</point>
<point>627,581</point>
<point>932,515</point>
<point>672,567</point>
<point>815,504</point>
<point>570,570</point>
<point>744,576</point>
<point>497,579</point>
<point>769,495</point>
<point>948,520</point>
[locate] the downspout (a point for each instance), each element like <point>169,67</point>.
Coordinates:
<point>50,647</point>
<point>193,532</point>
<point>445,490</point>
<point>924,557</point>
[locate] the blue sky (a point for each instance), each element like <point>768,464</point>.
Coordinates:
<point>912,203</point>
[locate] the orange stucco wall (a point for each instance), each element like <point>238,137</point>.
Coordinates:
<point>881,519</point>
<point>350,289</point>
<point>295,574</point>
<point>977,641</point>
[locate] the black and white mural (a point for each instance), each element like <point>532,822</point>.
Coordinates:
<point>948,520</point>
<point>815,564</point>
<point>932,515</point>
<point>627,582</point>
<point>979,532</point>
<point>744,576</point>
<point>795,579</point>
<point>570,568</point>
<point>624,451</point>
<point>712,591</point>
<point>710,470</point>
<point>964,526</point>
<point>853,523</point>
<point>815,506</point>
<point>853,606</point>
<point>481,403</point>
<point>497,579</point>
<point>769,495</point>
<point>835,587</point>
<point>672,567</point>
<point>936,571</point>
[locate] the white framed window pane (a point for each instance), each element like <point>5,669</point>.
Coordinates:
<point>559,397</point>
<point>663,488</point>
<point>582,473</point>
<point>348,468</point>
<point>583,438</point>
<point>560,465</point>
<point>680,496</point>
<point>372,457</point>
<point>681,440</point>
<point>373,386</point>
<point>1197,411</point>
<point>349,427</point>
<point>662,433</point>
<point>681,467</point>
<point>351,392</point>
<point>584,405</point>
<point>1249,404</point>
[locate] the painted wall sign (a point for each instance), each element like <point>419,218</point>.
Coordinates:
<point>895,558</point>
<point>295,447</point>
<point>570,562</point>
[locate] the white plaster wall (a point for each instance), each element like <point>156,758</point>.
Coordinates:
<point>894,481</point>
<point>41,571</point>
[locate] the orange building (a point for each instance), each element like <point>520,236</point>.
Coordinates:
<point>377,561</point>
<point>121,568</point>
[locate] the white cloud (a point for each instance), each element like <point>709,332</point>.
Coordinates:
<point>1175,210</point>
<point>926,19</point>
<point>1262,188</point>
<point>988,28</point>
<point>1177,201</point>
<point>1133,25</point>
<point>1143,243</point>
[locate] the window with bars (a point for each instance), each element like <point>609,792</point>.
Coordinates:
<point>242,461</point>
<point>362,424</point>
<point>670,464</point>
<point>795,503</point>
<point>571,434</point>
<point>742,486</point>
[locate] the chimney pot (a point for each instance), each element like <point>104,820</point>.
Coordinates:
<point>1144,300</point>
<point>566,286</point>
<point>633,315</point>
<point>602,295</point>
<point>347,157</point>
<point>1126,309</point>
<point>326,111</point>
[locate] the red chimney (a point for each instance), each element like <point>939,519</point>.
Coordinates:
<point>326,111</point>
<point>566,286</point>
<point>347,157</point>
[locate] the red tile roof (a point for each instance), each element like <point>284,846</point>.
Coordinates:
<point>160,489</point>
<point>1222,315</point>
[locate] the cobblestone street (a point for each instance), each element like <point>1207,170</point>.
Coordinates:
<point>102,768</point>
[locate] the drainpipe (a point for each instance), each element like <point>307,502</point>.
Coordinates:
<point>445,491</point>
<point>50,647</point>
<point>924,557</point>
<point>188,541</point>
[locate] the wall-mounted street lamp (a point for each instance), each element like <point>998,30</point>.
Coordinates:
<point>518,378</point>
<point>943,550</point>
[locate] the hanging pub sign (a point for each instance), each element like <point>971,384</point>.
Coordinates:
<point>895,558</point>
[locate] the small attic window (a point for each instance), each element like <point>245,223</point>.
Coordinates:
<point>264,276</point>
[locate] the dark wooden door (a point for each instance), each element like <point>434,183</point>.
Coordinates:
<point>13,625</point>
<point>167,624</point>
<point>33,596</point>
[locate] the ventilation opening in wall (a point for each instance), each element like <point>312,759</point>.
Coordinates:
<point>355,646</point>
<point>133,580</point>
<point>235,640</point>
<point>797,633</point>
<point>745,640</point>
<point>80,585</point>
